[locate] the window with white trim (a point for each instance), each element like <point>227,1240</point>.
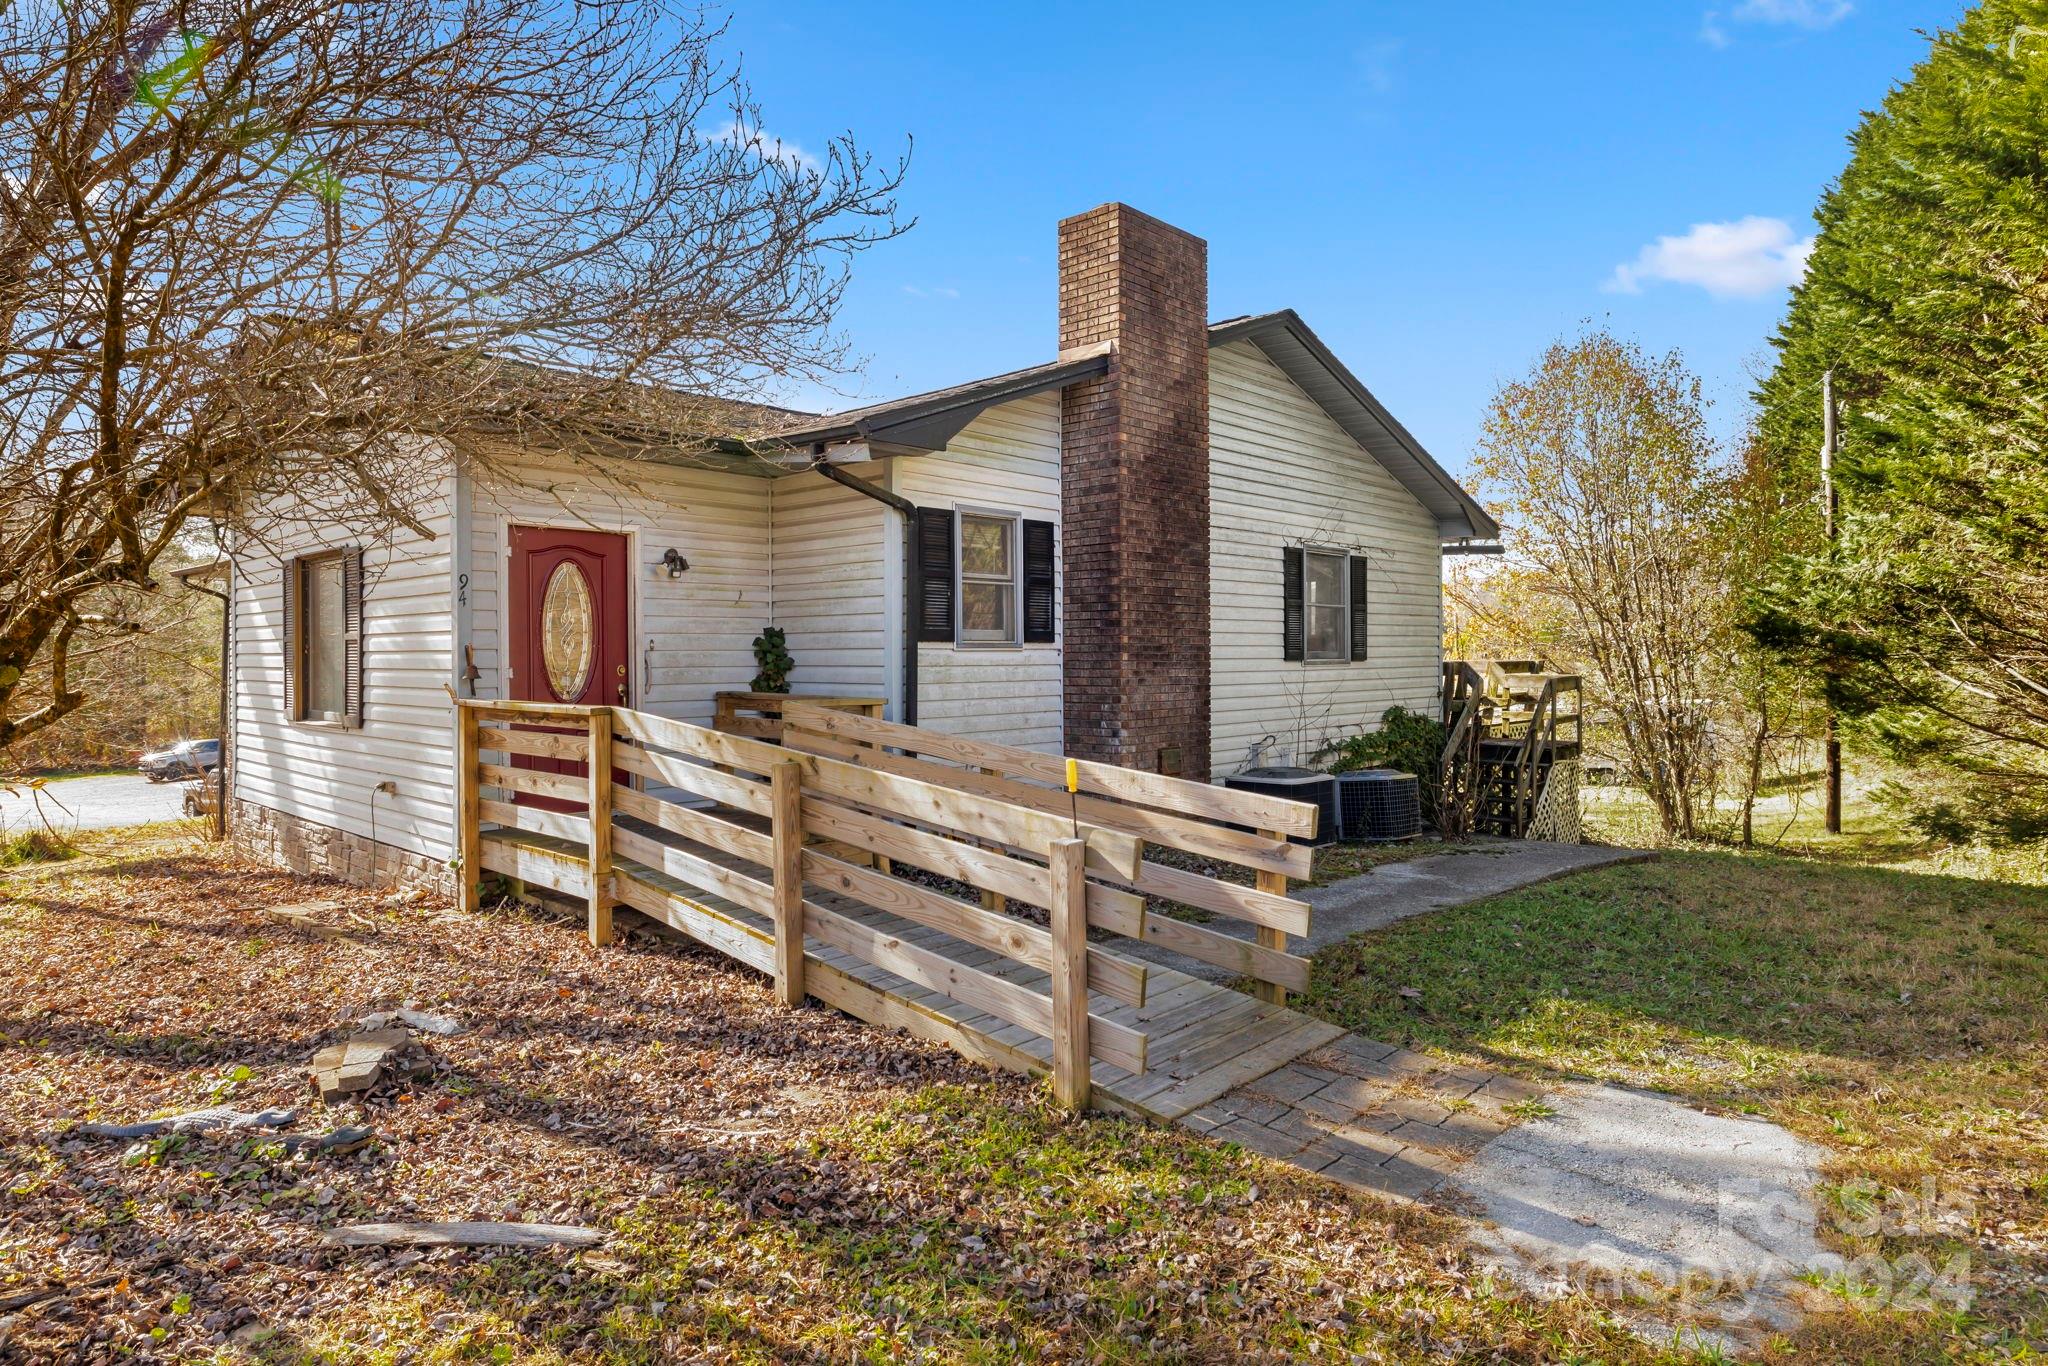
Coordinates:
<point>989,569</point>
<point>1326,607</point>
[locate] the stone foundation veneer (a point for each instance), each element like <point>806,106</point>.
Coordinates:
<point>323,851</point>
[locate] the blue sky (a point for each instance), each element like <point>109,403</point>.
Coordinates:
<point>1440,190</point>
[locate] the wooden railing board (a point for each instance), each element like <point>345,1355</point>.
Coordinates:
<point>1249,849</point>
<point>1110,909</point>
<point>565,825</point>
<point>1224,951</point>
<point>729,789</point>
<point>532,782</point>
<point>700,826</point>
<point>1271,909</point>
<point>542,744</point>
<point>1109,850</point>
<point>1116,978</point>
<point>566,873</point>
<point>691,916</point>
<point>684,866</point>
<point>531,713</point>
<point>1129,785</point>
<point>971,987</point>
<point>1182,795</point>
<point>700,742</point>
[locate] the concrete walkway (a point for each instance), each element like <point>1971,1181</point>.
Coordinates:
<point>1436,882</point>
<point>1477,870</point>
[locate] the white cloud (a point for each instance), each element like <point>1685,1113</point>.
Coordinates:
<point>1798,13</point>
<point>767,145</point>
<point>1746,259</point>
<point>933,292</point>
<point>1807,14</point>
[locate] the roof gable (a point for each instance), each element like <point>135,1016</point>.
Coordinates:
<point>1301,355</point>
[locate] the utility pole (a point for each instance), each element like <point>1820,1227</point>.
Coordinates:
<point>1828,511</point>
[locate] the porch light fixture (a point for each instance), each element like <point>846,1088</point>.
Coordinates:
<point>672,560</point>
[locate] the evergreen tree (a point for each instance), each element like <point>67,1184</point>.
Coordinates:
<point>1927,295</point>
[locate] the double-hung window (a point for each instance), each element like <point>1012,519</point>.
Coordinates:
<point>1324,608</point>
<point>1324,601</point>
<point>990,568</point>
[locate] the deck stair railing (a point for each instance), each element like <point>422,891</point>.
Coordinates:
<point>1509,723</point>
<point>774,855</point>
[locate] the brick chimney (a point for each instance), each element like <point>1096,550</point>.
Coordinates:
<point>1135,493</point>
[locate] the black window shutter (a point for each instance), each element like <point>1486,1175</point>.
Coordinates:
<point>352,634</point>
<point>1039,611</point>
<point>1293,621</point>
<point>1358,609</point>
<point>292,575</point>
<point>935,574</point>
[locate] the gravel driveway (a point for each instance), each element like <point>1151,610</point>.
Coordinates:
<point>94,803</point>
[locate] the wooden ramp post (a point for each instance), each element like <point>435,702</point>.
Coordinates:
<point>468,816</point>
<point>1269,938</point>
<point>600,763</point>
<point>786,812</point>
<point>1070,1081</point>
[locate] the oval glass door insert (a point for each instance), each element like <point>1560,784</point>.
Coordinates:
<point>568,637</point>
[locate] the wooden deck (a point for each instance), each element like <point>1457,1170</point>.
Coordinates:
<point>1204,1040</point>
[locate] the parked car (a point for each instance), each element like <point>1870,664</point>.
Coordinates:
<point>200,798</point>
<point>186,759</point>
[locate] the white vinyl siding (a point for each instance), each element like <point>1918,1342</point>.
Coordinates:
<point>837,580</point>
<point>324,773</point>
<point>1007,459</point>
<point>1282,473</point>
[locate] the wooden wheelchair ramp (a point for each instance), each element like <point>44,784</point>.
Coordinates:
<point>811,829</point>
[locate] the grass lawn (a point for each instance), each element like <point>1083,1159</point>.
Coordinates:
<point>1896,1015</point>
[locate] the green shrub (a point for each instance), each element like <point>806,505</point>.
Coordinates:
<point>1406,740</point>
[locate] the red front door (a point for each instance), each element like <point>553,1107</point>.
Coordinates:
<point>569,624</point>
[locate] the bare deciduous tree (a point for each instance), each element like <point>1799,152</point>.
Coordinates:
<point>255,245</point>
<point>1612,484</point>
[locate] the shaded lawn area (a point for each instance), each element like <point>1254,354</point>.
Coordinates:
<point>777,1185</point>
<point>1898,1019</point>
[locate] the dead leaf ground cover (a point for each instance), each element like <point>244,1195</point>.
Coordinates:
<point>776,1185</point>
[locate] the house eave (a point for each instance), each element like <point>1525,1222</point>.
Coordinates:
<point>923,423</point>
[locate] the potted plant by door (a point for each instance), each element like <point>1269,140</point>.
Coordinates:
<point>772,659</point>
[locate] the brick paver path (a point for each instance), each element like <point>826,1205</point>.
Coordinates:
<point>1368,1115</point>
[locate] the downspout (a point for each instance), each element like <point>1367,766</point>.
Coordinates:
<point>910,570</point>
<point>220,770</point>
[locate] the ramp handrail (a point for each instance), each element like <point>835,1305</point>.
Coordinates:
<point>826,821</point>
